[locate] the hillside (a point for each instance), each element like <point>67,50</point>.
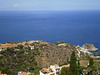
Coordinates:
<point>29,55</point>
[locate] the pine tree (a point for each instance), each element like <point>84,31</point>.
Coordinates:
<point>79,67</point>
<point>65,71</point>
<point>73,64</point>
<point>91,61</point>
<point>78,63</point>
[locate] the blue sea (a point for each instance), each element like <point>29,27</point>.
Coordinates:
<point>76,27</point>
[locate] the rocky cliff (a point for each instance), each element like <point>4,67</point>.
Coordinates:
<point>90,47</point>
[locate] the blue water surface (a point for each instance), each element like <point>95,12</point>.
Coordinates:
<point>76,27</point>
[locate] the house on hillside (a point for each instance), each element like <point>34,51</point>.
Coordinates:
<point>32,47</point>
<point>52,70</point>
<point>45,71</point>
<point>2,49</point>
<point>55,68</point>
<point>62,44</point>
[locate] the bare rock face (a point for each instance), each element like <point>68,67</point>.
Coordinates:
<point>54,55</point>
<point>90,47</point>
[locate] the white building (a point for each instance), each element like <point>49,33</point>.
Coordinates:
<point>32,47</point>
<point>55,68</point>
<point>2,49</point>
<point>52,70</point>
<point>62,44</point>
<point>45,71</point>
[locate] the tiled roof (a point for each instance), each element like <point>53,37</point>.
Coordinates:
<point>44,69</point>
<point>66,65</point>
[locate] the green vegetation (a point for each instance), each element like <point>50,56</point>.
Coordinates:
<point>20,47</point>
<point>91,61</point>
<point>32,44</point>
<point>12,61</point>
<point>27,40</point>
<point>65,71</point>
<point>80,68</point>
<point>9,42</point>
<point>24,58</point>
<point>59,42</point>
<point>96,54</point>
<point>41,45</point>
<point>74,67</point>
<point>73,64</point>
<point>12,42</point>
<point>26,43</point>
<point>64,63</point>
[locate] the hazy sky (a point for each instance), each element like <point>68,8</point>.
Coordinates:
<point>31,5</point>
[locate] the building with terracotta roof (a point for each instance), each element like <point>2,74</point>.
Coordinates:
<point>52,70</point>
<point>45,71</point>
<point>66,65</point>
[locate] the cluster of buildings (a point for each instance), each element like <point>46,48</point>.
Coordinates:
<point>62,44</point>
<point>2,49</point>
<point>85,51</point>
<point>52,70</point>
<point>80,49</point>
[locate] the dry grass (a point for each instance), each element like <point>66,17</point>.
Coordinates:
<point>84,63</point>
<point>5,45</point>
<point>12,44</point>
<point>9,45</point>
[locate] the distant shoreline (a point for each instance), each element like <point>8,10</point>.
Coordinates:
<point>14,44</point>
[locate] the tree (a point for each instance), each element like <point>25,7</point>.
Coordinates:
<point>73,64</point>
<point>65,71</point>
<point>80,68</point>
<point>59,42</point>
<point>91,61</point>
<point>5,70</point>
<point>20,46</point>
<point>78,63</point>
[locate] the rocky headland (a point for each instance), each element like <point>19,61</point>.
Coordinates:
<point>90,47</point>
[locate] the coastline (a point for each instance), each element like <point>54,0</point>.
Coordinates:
<point>14,44</point>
